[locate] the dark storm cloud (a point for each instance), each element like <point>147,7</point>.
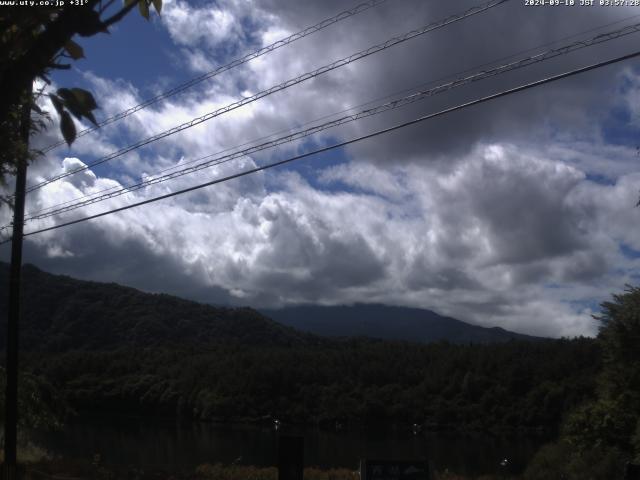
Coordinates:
<point>89,255</point>
<point>498,33</point>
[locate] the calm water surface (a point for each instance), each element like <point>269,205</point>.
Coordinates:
<point>145,442</point>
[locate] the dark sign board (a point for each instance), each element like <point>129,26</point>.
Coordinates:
<point>394,470</point>
<point>290,457</point>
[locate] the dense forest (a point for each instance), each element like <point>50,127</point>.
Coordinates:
<point>514,385</point>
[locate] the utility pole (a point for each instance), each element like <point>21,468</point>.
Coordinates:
<point>11,395</point>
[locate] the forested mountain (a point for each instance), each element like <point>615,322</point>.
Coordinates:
<point>61,313</point>
<point>388,323</point>
<point>107,348</point>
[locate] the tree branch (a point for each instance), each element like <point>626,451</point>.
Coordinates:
<point>59,66</point>
<point>119,16</point>
<point>35,61</point>
<point>103,8</point>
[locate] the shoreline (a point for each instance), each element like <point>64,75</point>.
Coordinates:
<point>327,426</point>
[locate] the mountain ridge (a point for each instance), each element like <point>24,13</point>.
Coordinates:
<point>61,313</point>
<point>388,322</point>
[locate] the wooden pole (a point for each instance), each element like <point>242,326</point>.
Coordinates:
<point>11,394</point>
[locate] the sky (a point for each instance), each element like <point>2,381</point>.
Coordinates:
<point>519,213</point>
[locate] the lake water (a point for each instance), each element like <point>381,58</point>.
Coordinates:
<point>170,444</point>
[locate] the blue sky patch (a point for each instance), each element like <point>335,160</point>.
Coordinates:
<point>600,179</point>
<point>629,252</point>
<point>618,129</point>
<point>141,59</point>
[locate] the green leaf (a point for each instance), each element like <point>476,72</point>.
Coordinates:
<point>143,6</point>
<point>64,93</point>
<point>67,128</point>
<point>157,4</point>
<point>74,50</point>
<point>91,118</point>
<point>85,98</point>
<point>79,102</point>
<point>70,102</point>
<point>91,24</point>
<point>57,103</point>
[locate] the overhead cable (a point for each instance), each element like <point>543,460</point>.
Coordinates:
<point>362,7</point>
<point>282,86</point>
<point>349,142</point>
<point>297,135</point>
<point>370,102</point>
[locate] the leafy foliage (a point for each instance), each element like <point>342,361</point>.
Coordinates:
<point>39,403</point>
<point>620,337</point>
<point>80,103</point>
<point>33,42</point>
<point>602,434</point>
<point>612,420</point>
<point>560,461</point>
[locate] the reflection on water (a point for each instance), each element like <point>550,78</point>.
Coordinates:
<point>145,442</point>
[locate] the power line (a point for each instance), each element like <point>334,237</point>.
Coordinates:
<point>297,135</point>
<point>35,213</point>
<point>289,83</point>
<point>351,141</point>
<point>362,7</point>
<point>339,63</point>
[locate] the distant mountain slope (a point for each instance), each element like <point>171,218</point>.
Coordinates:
<point>389,323</point>
<point>62,313</point>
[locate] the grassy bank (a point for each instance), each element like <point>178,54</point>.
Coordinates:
<point>76,470</point>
